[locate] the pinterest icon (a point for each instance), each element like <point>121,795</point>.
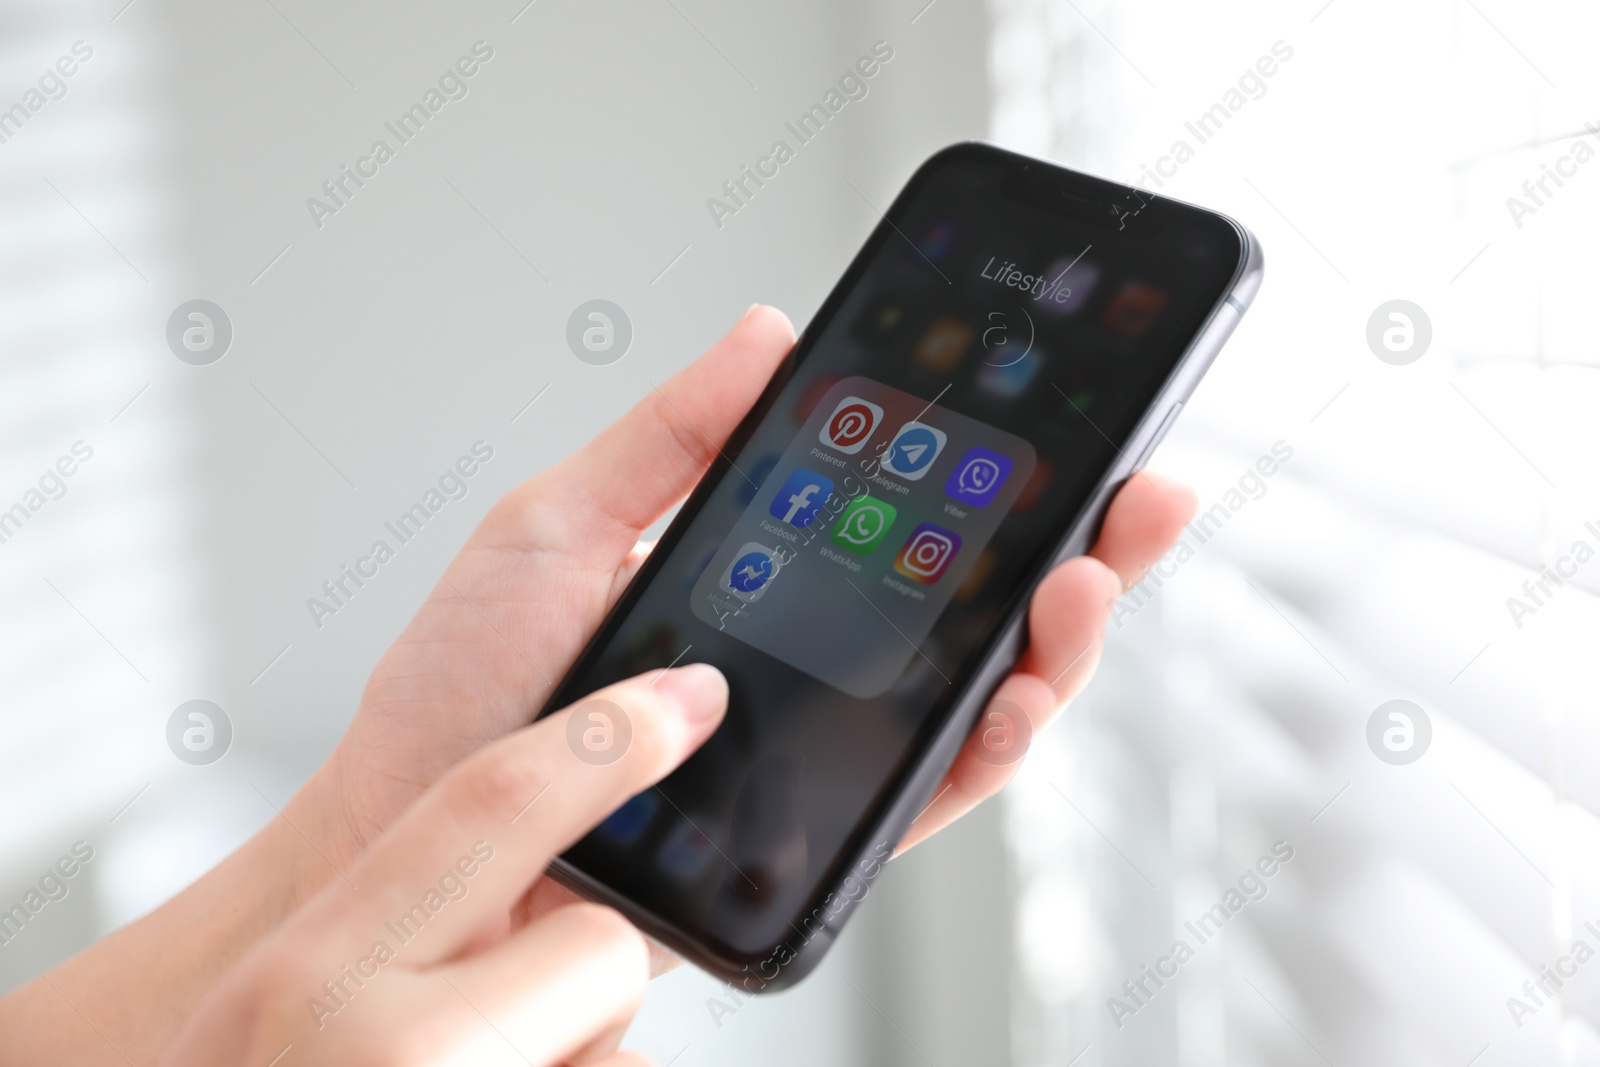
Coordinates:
<point>851,424</point>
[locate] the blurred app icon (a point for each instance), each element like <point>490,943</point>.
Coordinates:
<point>801,497</point>
<point>749,487</point>
<point>973,584</point>
<point>1035,486</point>
<point>1011,381</point>
<point>942,345</point>
<point>629,821</point>
<point>863,524</point>
<point>1007,338</point>
<point>851,423</point>
<point>937,242</point>
<point>685,853</point>
<point>1076,287</point>
<point>879,324</point>
<point>813,396</point>
<point>692,574</point>
<point>887,318</point>
<point>913,451</point>
<point>1078,401</point>
<point>978,477</point>
<point>766,845</point>
<point>927,553</point>
<point>655,645</point>
<point>1134,309</point>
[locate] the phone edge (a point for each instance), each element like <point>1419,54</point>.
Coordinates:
<point>1188,371</point>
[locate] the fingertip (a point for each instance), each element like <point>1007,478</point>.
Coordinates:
<point>1081,584</point>
<point>767,323</point>
<point>1068,616</point>
<point>1032,694</point>
<point>1146,517</point>
<point>698,692</point>
<point>626,1058</point>
<point>1174,496</point>
<point>656,720</point>
<point>1038,701</point>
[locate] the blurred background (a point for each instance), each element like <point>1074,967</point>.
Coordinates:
<point>1421,543</point>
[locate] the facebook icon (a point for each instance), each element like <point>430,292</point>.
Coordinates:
<point>801,497</point>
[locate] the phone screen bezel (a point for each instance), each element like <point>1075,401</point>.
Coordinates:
<point>700,945</point>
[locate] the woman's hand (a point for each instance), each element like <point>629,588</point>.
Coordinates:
<point>1066,629</point>
<point>484,652</point>
<point>415,953</point>
<point>533,583</point>
<point>539,574</point>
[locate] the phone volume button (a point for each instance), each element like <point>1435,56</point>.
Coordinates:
<point>1156,438</point>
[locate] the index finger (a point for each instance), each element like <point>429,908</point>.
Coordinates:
<point>463,854</point>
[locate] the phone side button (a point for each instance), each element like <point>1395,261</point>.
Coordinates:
<point>1156,438</point>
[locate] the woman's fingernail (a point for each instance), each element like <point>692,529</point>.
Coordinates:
<point>698,689</point>
<point>751,310</point>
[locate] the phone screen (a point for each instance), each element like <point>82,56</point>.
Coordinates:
<point>911,472</point>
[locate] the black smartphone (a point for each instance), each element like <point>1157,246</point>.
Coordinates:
<point>1009,345</point>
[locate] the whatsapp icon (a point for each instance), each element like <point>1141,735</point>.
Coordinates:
<point>863,524</point>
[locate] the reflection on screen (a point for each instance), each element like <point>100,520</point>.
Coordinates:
<point>912,495</point>
<point>946,418</point>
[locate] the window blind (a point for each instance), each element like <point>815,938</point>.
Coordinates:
<point>1430,540</point>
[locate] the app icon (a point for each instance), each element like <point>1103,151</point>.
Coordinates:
<point>863,524</point>
<point>913,451</point>
<point>978,477</point>
<point>1010,381</point>
<point>747,576</point>
<point>851,423</point>
<point>943,345</point>
<point>927,553</point>
<point>1134,309</point>
<point>801,497</point>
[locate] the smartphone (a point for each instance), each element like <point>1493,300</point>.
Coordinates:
<point>1008,347</point>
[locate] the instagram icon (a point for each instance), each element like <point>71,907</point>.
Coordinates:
<point>927,553</point>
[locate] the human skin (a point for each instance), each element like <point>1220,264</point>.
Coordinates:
<point>408,958</point>
<point>484,651</point>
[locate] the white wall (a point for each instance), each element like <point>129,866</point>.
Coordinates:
<point>365,359</point>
